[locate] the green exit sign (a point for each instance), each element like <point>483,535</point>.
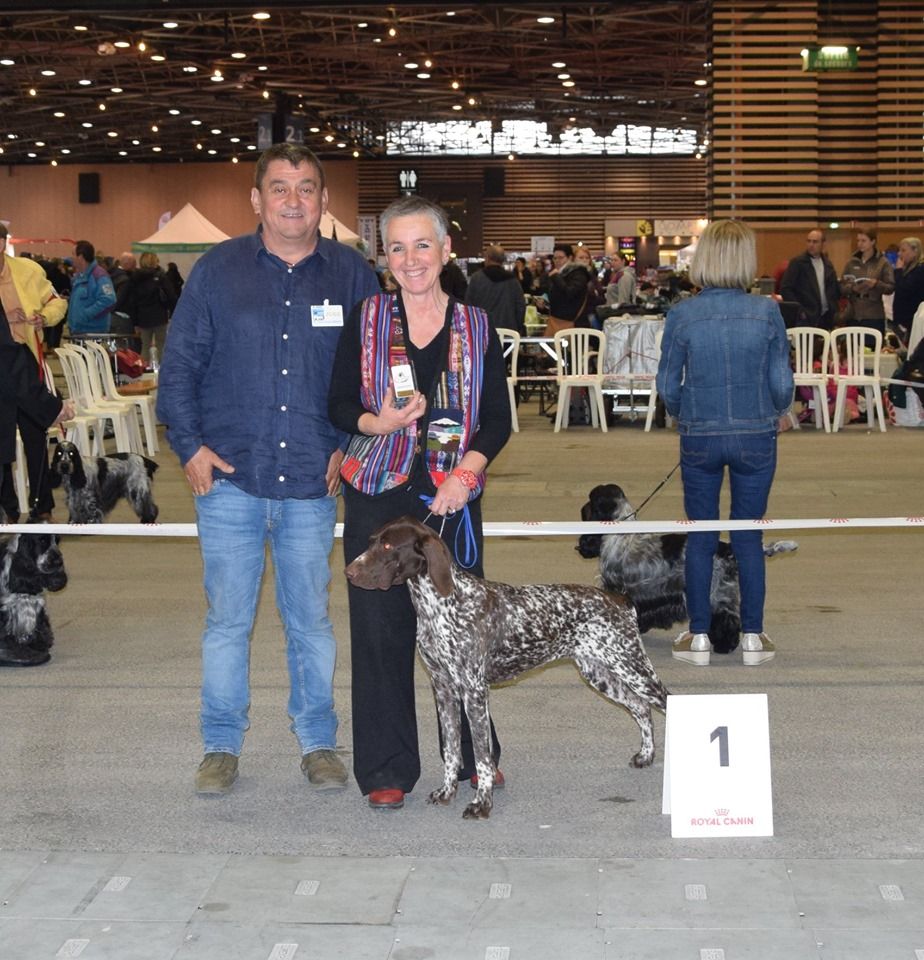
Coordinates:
<point>830,58</point>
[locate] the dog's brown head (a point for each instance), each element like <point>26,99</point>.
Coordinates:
<point>605,502</point>
<point>401,550</point>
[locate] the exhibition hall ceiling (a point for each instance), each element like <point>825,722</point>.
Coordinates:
<point>161,80</point>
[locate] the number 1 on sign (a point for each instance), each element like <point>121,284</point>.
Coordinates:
<point>721,734</point>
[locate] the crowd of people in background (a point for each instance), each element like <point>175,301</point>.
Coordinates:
<point>127,296</point>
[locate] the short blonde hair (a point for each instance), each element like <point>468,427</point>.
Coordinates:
<point>726,256</point>
<point>915,245</point>
<point>149,261</point>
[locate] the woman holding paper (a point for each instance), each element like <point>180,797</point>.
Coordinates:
<point>419,382</point>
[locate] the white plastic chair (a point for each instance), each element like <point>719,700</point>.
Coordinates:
<point>76,364</point>
<point>510,342</point>
<point>143,402</point>
<point>805,342</point>
<point>856,362</point>
<point>575,350</point>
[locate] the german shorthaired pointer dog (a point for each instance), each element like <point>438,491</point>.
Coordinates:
<point>93,486</point>
<point>472,633</point>
<point>648,568</point>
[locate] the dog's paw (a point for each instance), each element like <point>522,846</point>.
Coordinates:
<point>442,796</point>
<point>478,809</point>
<point>642,760</point>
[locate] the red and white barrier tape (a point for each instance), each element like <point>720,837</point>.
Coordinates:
<point>535,528</point>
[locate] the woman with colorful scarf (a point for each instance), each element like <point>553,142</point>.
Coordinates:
<point>420,385</point>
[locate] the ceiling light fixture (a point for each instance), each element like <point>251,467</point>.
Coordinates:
<point>7,62</point>
<point>158,57</point>
<point>545,19</point>
<point>261,15</point>
<point>157,149</point>
<point>700,83</point>
<point>363,25</point>
<point>212,152</point>
<point>115,90</point>
<point>65,150</point>
<point>40,143</point>
<point>238,55</point>
<point>392,32</point>
<point>48,73</point>
<point>112,133</point>
<point>142,46</point>
<point>263,67</point>
<point>411,65</point>
<point>567,83</point>
<point>86,124</point>
<point>122,153</point>
<point>216,76</point>
<point>234,160</point>
<point>173,112</point>
<point>423,76</point>
<point>121,44</point>
<point>136,143</point>
<point>81,27</point>
<point>155,128</point>
<point>85,83</point>
<point>32,91</point>
<point>59,114</point>
<point>564,76</point>
<point>559,64</point>
<point>102,107</point>
<point>190,69</point>
<point>457,106</point>
<point>170,25</point>
<point>235,139</point>
<point>54,163</point>
<point>251,146</point>
<point>216,131</point>
<point>329,138</point>
<point>196,123</point>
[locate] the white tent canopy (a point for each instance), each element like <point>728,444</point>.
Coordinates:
<point>182,239</point>
<point>344,233</point>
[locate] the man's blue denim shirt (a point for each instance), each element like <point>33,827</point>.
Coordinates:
<point>247,364</point>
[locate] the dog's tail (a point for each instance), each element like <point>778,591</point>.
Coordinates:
<point>780,546</point>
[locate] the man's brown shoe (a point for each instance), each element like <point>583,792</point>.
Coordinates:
<point>216,773</point>
<point>324,770</point>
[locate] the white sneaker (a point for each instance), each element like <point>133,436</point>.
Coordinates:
<point>692,648</point>
<point>756,648</point>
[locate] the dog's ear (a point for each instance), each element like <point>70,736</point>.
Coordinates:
<point>439,564</point>
<point>79,476</point>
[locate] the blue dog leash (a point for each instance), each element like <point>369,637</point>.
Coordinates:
<point>465,531</point>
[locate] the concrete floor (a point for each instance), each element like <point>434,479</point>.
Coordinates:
<point>105,850</point>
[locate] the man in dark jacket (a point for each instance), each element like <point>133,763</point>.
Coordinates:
<point>811,281</point>
<point>20,391</point>
<point>498,293</point>
<point>569,286</point>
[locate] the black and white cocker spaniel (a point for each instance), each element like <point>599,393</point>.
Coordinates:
<point>94,485</point>
<point>648,568</point>
<point>30,564</point>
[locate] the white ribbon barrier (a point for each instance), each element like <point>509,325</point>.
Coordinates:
<point>536,528</point>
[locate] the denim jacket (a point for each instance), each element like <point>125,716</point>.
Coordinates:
<point>725,364</point>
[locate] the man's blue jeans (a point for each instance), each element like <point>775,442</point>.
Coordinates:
<point>234,528</point>
<point>751,462</point>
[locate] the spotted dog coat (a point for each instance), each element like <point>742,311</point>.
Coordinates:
<point>648,568</point>
<point>30,564</point>
<point>94,485</point>
<point>472,633</point>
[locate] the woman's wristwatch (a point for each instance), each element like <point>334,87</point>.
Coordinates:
<point>467,477</point>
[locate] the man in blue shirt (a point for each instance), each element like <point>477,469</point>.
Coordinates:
<point>243,391</point>
<point>89,308</point>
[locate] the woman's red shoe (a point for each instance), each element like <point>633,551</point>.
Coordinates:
<point>388,799</point>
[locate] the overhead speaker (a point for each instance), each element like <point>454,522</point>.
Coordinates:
<point>494,181</point>
<point>88,187</point>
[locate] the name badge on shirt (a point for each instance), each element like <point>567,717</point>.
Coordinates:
<point>327,314</point>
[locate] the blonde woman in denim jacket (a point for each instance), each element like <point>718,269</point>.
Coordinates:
<point>725,375</point>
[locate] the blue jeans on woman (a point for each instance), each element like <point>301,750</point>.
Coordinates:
<point>751,462</point>
<point>234,528</point>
